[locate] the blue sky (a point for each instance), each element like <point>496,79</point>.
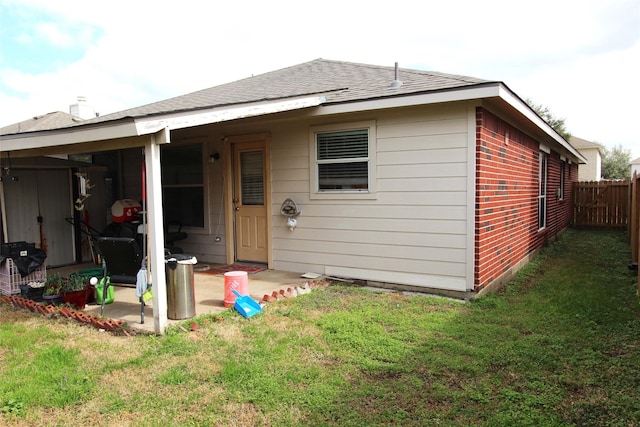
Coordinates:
<point>581,58</point>
<point>37,42</point>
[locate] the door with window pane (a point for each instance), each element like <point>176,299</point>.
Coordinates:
<point>251,239</point>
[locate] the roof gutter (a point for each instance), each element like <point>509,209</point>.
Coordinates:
<point>480,91</point>
<point>523,108</point>
<point>146,125</point>
<point>138,126</point>
<point>69,135</point>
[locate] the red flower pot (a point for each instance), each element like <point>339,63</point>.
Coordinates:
<point>78,299</point>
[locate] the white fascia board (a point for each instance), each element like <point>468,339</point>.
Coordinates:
<point>146,125</point>
<point>524,109</point>
<point>488,91</point>
<point>495,90</point>
<point>67,136</point>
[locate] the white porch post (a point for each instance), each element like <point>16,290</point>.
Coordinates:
<point>156,228</point>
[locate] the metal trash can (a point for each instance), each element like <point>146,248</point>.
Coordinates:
<point>181,302</point>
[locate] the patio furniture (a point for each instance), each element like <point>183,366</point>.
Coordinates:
<point>122,260</point>
<point>172,234</point>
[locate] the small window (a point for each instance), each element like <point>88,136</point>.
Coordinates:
<point>542,191</point>
<point>562,172</point>
<point>343,160</point>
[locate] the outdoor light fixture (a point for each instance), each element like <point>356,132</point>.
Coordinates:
<point>7,172</point>
<point>8,176</point>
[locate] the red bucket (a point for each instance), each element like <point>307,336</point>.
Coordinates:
<point>235,281</point>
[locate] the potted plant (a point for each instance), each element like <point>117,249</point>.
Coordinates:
<point>75,291</point>
<point>32,291</point>
<point>52,294</point>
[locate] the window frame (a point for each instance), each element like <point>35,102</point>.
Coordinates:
<point>314,190</point>
<point>543,176</point>
<point>201,144</point>
<point>563,167</point>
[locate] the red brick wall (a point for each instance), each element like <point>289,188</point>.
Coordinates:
<point>507,197</point>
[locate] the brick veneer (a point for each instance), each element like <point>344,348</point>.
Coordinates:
<point>506,212</point>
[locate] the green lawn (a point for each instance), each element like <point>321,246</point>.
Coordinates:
<point>560,345</point>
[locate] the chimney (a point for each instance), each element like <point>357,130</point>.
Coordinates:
<point>82,109</point>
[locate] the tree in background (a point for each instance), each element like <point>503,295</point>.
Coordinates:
<point>556,123</point>
<point>615,163</point>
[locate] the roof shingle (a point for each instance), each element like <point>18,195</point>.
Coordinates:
<point>47,121</point>
<point>338,81</point>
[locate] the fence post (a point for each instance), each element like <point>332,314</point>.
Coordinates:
<point>634,223</point>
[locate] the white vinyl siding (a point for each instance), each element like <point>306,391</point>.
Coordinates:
<point>592,170</point>
<point>414,231</point>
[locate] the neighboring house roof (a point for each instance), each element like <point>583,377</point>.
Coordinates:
<point>582,144</point>
<point>48,121</point>
<point>635,161</point>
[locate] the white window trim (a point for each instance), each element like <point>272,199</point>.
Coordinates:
<point>205,180</point>
<point>563,171</point>
<point>370,193</point>
<point>542,191</point>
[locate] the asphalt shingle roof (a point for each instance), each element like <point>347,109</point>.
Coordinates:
<point>583,143</point>
<point>338,81</point>
<point>48,121</point>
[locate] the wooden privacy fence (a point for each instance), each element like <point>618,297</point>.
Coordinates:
<point>601,204</point>
<point>634,221</point>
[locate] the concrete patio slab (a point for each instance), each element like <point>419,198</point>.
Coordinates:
<point>208,292</point>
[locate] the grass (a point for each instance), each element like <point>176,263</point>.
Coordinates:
<point>559,346</point>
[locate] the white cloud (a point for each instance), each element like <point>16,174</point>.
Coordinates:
<point>54,34</point>
<point>579,58</point>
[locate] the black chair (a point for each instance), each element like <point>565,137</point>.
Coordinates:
<point>122,260</point>
<point>173,233</point>
<point>122,257</point>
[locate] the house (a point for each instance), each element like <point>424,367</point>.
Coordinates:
<point>403,178</point>
<point>635,166</point>
<point>593,152</point>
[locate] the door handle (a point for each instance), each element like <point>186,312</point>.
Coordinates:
<point>237,208</point>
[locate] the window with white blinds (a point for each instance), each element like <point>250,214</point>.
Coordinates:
<point>342,159</point>
<point>252,178</point>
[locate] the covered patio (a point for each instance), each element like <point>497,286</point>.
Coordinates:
<point>209,293</point>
